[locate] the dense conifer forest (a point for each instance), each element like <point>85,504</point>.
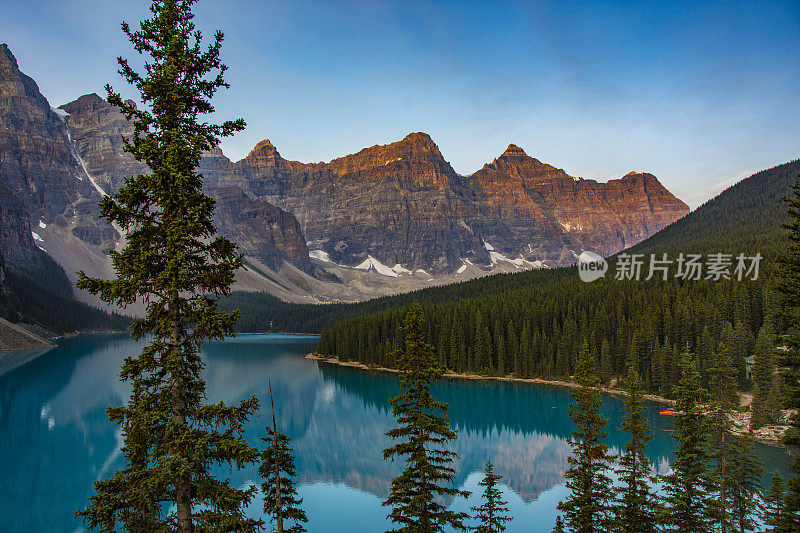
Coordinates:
<point>43,295</point>
<point>744,218</point>
<point>532,324</point>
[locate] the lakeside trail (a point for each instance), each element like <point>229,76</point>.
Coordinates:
<point>770,435</point>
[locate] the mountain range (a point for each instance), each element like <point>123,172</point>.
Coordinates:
<point>388,219</point>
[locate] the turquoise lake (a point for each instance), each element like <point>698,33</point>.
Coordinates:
<point>55,437</point>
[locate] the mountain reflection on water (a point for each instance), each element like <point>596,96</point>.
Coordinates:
<point>55,438</point>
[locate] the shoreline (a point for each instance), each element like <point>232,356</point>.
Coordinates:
<point>276,333</point>
<point>769,437</point>
<point>654,398</point>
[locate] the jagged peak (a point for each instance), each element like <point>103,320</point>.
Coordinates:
<point>264,148</point>
<point>514,151</point>
<point>422,140</point>
<point>87,101</point>
<point>418,136</point>
<point>5,53</point>
<point>635,174</point>
<point>91,97</point>
<point>515,157</point>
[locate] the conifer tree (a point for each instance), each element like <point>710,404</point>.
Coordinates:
<point>173,262</point>
<point>723,397</point>
<point>636,510</point>
<point>774,502</point>
<point>765,404</point>
<point>491,514</point>
<point>587,508</point>
<point>689,505</point>
<point>277,468</point>
<point>788,289</point>
<point>605,362</point>
<point>744,489</point>
<point>421,438</point>
<point>559,527</point>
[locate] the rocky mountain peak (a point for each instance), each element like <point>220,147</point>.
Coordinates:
<point>513,151</point>
<point>13,83</point>
<point>420,141</point>
<point>264,151</point>
<point>38,162</point>
<point>515,157</point>
<point>87,102</point>
<point>646,176</point>
<point>7,56</point>
<point>415,149</point>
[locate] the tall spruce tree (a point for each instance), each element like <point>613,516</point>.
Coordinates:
<point>587,510</point>
<point>774,502</point>
<point>636,509</point>
<point>689,505</point>
<point>277,468</point>
<point>766,403</point>
<point>788,289</point>
<point>174,263</point>
<point>491,515</point>
<point>723,398</point>
<point>737,471</point>
<point>421,437</point>
<point>744,491</point>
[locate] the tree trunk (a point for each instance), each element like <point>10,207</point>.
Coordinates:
<point>183,492</point>
<point>278,507</point>
<point>723,495</point>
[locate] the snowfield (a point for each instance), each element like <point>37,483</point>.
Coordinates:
<point>370,263</point>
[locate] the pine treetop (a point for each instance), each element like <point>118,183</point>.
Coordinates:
<point>420,438</point>
<point>490,514</point>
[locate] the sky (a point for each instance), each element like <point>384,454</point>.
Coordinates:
<point>701,94</point>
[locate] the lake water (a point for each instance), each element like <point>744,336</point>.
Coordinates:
<point>55,438</point>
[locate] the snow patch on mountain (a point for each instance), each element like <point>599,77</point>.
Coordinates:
<point>569,227</point>
<point>400,269</point>
<point>519,262</point>
<point>322,255</point>
<point>60,112</point>
<point>370,263</point>
<point>37,237</point>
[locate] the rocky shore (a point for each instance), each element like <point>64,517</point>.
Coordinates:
<point>14,337</point>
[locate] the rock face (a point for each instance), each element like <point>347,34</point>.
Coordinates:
<point>403,203</point>
<point>543,211</point>
<point>398,204</point>
<point>16,240</point>
<point>38,164</point>
<point>13,337</point>
<point>56,163</point>
<point>261,230</point>
<point>97,129</point>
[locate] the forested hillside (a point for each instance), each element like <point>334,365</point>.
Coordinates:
<point>745,217</point>
<point>532,324</point>
<point>43,295</point>
<point>742,218</point>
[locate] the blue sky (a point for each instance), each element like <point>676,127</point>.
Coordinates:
<point>700,94</point>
